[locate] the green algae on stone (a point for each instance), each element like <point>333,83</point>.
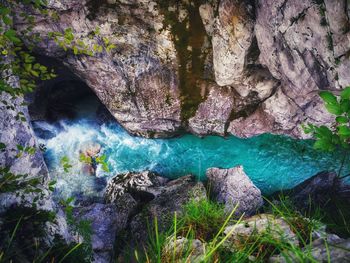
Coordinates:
<point>188,37</point>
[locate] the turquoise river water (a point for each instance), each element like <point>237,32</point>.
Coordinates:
<point>272,162</point>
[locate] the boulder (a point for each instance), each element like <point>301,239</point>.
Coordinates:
<point>317,190</point>
<point>106,223</point>
<point>254,227</point>
<point>140,185</point>
<point>233,187</point>
<point>90,150</point>
<point>221,106</point>
<point>183,249</point>
<point>329,249</point>
<point>171,198</point>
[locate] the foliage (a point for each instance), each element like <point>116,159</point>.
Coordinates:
<point>21,184</point>
<point>65,163</point>
<point>25,149</point>
<point>200,216</point>
<point>95,160</point>
<point>204,217</point>
<point>24,238</point>
<point>17,60</point>
<point>338,135</point>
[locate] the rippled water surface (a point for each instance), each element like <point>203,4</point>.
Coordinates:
<point>272,162</point>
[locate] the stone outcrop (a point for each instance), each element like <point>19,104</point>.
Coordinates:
<point>336,249</point>
<point>183,249</point>
<point>146,196</point>
<point>106,224</point>
<point>233,187</point>
<point>21,162</point>
<point>271,57</point>
<point>303,44</point>
<point>15,132</point>
<point>133,183</point>
<point>277,228</point>
<point>316,190</point>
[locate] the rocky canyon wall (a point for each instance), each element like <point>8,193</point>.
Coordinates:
<point>208,67</point>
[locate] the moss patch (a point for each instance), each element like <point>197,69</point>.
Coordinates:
<point>189,36</point>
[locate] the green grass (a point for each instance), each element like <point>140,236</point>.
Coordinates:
<point>23,239</point>
<point>206,221</point>
<point>204,217</point>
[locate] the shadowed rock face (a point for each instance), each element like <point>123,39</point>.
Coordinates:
<point>219,67</point>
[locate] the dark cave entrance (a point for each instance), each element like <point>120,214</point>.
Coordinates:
<point>63,97</point>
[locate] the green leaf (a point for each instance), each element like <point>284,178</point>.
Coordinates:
<point>341,119</point>
<point>7,20</point>
<point>324,145</point>
<point>328,97</point>
<point>345,94</point>
<point>334,109</point>
<point>345,105</point>
<point>11,35</point>
<point>344,131</point>
<point>323,132</point>
<point>75,50</point>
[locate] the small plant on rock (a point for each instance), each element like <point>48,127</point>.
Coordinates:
<point>337,136</point>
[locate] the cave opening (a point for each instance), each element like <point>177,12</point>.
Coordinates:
<point>65,97</point>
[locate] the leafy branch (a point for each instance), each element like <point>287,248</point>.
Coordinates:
<point>337,136</point>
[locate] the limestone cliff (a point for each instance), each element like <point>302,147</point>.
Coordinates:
<point>210,67</point>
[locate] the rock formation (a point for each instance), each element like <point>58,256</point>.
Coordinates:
<point>222,67</point>
<point>232,187</point>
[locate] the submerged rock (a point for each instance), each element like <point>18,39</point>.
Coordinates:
<point>88,154</point>
<point>231,187</point>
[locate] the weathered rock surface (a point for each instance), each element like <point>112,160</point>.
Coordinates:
<point>20,155</point>
<point>137,81</point>
<point>106,223</point>
<point>256,226</point>
<point>134,183</point>
<point>275,55</point>
<point>151,197</point>
<point>16,132</point>
<point>184,249</point>
<point>231,187</point>
<point>232,35</point>
<point>302,46</point>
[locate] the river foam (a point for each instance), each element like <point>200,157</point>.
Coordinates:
<point>272,162</point>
